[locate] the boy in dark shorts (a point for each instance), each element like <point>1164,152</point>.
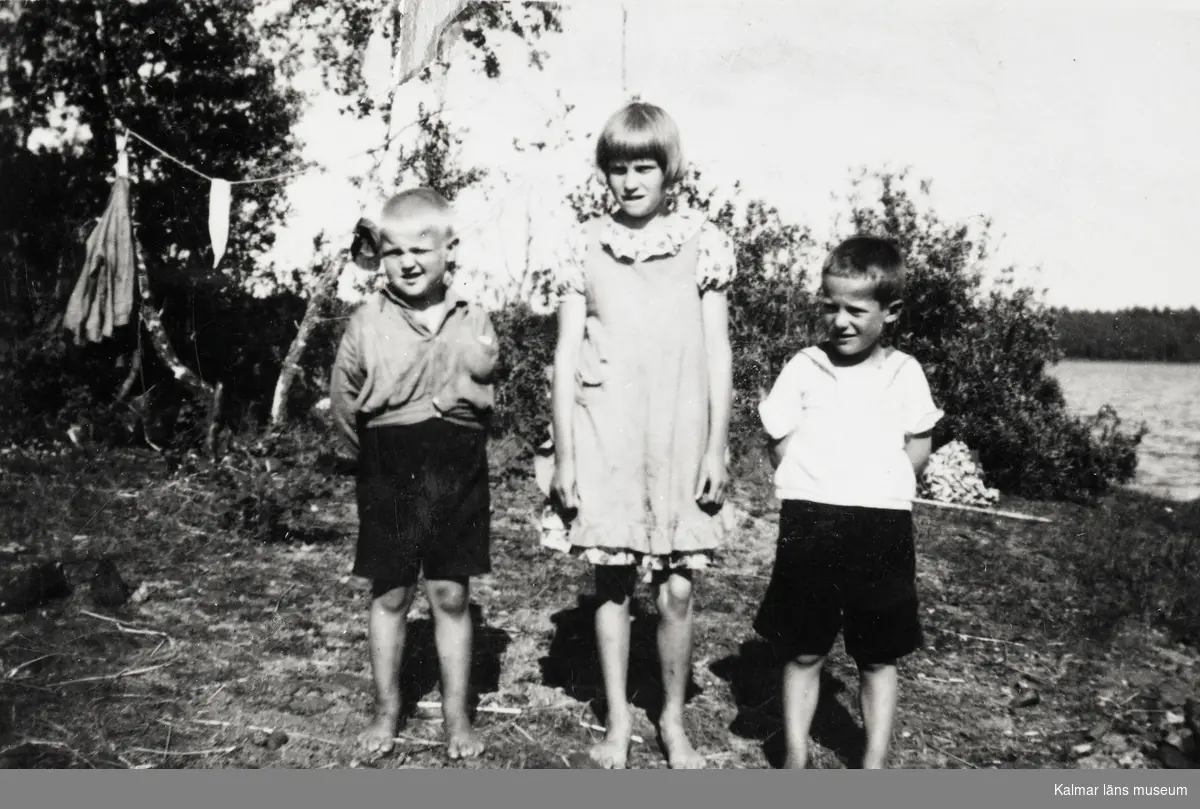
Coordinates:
<point>849,422</point>
<point>411,394</point>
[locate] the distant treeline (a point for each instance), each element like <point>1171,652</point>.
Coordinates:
<point>1164,335</point>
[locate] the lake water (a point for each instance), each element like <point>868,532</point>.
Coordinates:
<point>1164,396</point>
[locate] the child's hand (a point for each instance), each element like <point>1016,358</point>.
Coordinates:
<point>563,489</point>
<point>776,449</point>
<point>714,477</point>
<point>479,358</point>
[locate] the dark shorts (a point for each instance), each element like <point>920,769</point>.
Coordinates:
<point>842,569</point>
<point>423,504</point>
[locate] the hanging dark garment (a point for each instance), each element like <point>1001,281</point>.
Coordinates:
<point>102,300</point>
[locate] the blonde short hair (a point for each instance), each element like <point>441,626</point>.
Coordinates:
<point>421,203</point>
<point>641,131</point>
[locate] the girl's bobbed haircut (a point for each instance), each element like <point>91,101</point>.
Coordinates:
<point>642,131</point>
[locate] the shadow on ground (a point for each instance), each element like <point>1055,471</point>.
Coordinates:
<point>420,672</point>
<point>572,662</point>
<point>753,674</point>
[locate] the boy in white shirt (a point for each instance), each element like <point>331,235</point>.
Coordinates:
<point>849,422</point>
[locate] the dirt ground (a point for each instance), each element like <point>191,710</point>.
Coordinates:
<point>245,645</point>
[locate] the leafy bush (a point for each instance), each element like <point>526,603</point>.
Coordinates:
<point>49,385</point>
<point>988,355</point>
<point>54,384</point>
<point>522,385</point>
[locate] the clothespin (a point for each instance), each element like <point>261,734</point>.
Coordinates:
<point>122,138</point>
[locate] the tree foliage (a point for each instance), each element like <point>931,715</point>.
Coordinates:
<point>337,35</point>
<point>1160,335</point>
<point>189,76</point>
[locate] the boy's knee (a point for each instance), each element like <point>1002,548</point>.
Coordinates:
<point>808,661</point>
<point>449,597</point>
<point>875,667</point>
<point>397,599</point>
<point>675,596</point>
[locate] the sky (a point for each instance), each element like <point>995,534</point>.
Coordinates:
<point>1071,125</point>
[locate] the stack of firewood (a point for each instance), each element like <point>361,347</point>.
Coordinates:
<point>954,475</point>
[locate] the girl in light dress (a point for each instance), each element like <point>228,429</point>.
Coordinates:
<point>641,400</point>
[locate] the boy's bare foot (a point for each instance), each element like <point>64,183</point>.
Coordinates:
<point>680,753</point>
<point>796,760</point>
<point>875,762</point>
<point>461,740</point>
<point>613,752</point>
<point>380,736</point>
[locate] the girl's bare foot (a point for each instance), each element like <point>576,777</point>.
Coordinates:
<point>380,736</point>
<point>680,753</point>
<point>613,752</point>
<point>796,760</point>
<point>461,740</point>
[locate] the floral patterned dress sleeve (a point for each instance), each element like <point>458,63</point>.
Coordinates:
<point>716,260</point>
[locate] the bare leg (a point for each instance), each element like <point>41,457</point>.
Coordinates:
<point>675,656</point>
<point>449,601</point>
<point>877,698</point>
<point>612,640</point>
<point>387,628</point>
<point>801,689</point>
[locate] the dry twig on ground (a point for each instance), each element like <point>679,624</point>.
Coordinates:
<point>114,676</point>
<point>126,628</point>
<point>294,734</point>
<point>210,752</point>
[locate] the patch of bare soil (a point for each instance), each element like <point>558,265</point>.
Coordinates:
<point>243,641</point>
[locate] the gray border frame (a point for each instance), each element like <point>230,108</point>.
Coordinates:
<point>300,789</point>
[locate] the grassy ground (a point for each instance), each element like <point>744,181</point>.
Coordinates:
<point>1045,646</point>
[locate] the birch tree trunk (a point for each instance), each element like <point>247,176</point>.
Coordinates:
<point>322,292</point>
<point>151,319</point>
<point>327,280</point>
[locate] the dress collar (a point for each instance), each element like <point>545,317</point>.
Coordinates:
<point>662,237</point>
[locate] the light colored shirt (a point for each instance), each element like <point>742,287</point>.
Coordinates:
<point>844,429</point>
<point>393,369</point>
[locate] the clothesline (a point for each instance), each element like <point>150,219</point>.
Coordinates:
<point>285,175</point>
<point>477,223</point>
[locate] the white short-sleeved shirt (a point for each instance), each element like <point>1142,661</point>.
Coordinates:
<point>844,429</point>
